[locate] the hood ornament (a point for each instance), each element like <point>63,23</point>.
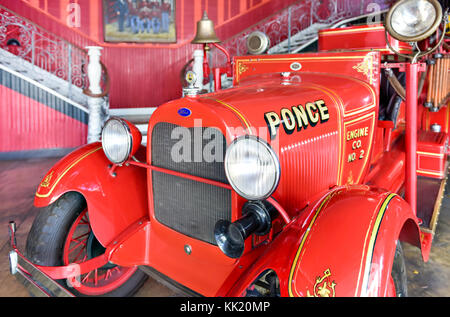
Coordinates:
<point>191,90</point>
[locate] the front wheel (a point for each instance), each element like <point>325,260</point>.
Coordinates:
<point>61,234</point>
<point>398,285</point>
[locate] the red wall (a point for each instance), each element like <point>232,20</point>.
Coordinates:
<point>23,125</point>
<point>145,75</point>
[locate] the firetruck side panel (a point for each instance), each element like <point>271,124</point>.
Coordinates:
<point>343,245</point>
<point>360,65</point>
<point>361,37</point>
<point>114,203</point>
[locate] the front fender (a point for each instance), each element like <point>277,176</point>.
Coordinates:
<point>114,203</point>
<point>343,245</point>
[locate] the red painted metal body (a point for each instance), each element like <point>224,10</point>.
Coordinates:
<point>364,37</point>
<point>87,171</point>
<point>411,136</point>
<point>431,154</point>
<point>342,173</point>
<point>317,242</point>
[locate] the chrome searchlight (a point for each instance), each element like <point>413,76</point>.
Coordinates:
<point>413,20</point>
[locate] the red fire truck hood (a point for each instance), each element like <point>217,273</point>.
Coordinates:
<point>303,102</point>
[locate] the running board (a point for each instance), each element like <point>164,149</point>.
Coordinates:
<point>429,202</point>
<point>179,289</point>
<point>428,208</point>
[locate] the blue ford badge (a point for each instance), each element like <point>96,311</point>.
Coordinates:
<point>184,112</point>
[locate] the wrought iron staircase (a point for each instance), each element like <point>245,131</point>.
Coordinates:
<point>306,40</point>
<point>62,69</point>
<point>295,28</point>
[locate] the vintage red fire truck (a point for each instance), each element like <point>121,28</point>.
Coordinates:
<point>300,180</point>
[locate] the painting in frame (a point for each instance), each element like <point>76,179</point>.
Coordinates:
<point>139,21</point>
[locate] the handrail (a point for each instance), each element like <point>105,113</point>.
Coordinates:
<point>293,19</point>
<point>40,27</point>
<point>39,85</point>
<point>48,51</point>
<point>43,29</point>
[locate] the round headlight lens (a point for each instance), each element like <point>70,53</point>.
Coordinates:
<point>413,20</point>
<point>252,168</point>
<point>116,140</point>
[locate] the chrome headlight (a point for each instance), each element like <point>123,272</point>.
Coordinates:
<point>117,140</point>
<point>252,168</point>
<point>413,20</point>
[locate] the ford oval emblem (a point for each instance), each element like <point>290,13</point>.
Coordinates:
<point>184,112</point>
<point>296,66</point>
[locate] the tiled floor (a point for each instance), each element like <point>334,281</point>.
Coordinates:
<point>19,180</point>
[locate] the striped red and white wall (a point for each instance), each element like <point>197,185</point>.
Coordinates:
<point>34,121</point>
<point>139,71</point>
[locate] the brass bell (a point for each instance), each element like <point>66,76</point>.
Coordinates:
<point>205,31</point>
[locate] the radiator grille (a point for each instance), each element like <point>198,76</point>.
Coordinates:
<point>193,162</point>
<point>189,207</point>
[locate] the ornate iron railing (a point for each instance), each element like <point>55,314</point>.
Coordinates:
<point>47,51</point>
<point>299,16</point>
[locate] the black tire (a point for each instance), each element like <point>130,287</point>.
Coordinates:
<point>399,272</point>
<point>49,232</point>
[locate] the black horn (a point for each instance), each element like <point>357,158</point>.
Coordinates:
<point>230,237</point>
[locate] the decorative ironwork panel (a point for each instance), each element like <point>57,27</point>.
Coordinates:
<point>298,17</point>
<point>42,49</point>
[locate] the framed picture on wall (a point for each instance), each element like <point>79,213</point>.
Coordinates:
<point>139,21</point>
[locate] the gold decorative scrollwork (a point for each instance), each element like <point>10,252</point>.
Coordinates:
<point>323,287</point>
<point>366,67</point>
<point>47,179</point>
<point>242,68</point>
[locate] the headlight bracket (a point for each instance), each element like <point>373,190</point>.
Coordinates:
<point>440,17</point>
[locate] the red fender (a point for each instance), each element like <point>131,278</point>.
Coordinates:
<point>342,245</point>
<point>114,203</point>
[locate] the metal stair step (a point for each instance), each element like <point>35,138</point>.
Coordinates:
<point>305,39</point>
<point>142,127</point>
<point>137,116</point>
<point>294,44</point>
<point>132,110</point>
<point>137,119</point>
